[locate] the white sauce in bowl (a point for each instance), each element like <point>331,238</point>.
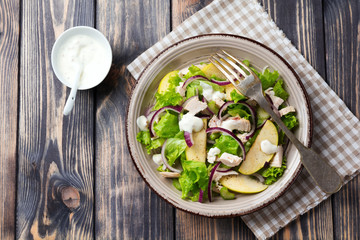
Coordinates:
<point>82,51</point>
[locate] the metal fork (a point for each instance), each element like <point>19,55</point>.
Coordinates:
<point>322,173</point>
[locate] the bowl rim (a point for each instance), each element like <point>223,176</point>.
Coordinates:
<point>307,101</point>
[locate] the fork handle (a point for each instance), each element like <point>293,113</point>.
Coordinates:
<point>323,174</point>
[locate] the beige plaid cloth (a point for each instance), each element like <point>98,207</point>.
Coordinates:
<point>336,130</point>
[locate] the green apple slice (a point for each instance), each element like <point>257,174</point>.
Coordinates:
<point>197,152</point>
<point>242,184</point>
<point>255,158</point>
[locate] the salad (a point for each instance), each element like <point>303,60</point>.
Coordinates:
<point>210,139</point>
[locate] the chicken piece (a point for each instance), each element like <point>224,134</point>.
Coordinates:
<point>242,137</point>
<point>278,157</point>
<point>286,110</point>
<point>230,159</point>
<point>170,174</point>
<point>218,101</point>
<point>194,106</point>
<point>236,123</point>
<point>275,100</point>
<point>214,122</point>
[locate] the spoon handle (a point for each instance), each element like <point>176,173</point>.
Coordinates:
<point>71,99</point>
<point>70,102</point>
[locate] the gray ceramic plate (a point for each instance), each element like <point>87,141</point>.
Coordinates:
<point>192,51</point>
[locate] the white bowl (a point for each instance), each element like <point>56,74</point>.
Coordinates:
<point>92,33</point>
<point>195,50</point>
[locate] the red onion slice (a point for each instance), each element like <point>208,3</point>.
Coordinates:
<point>188,139</point>
<point>223,108</point>
<point>203,116</point>
<point>176,109</point>
<point>201,195</point>
<point>150,115</point>
<point>220,83</point>
<point>193,78</point>
<point>227,132</point>
<point>210,180</point>
<point>164,160</point>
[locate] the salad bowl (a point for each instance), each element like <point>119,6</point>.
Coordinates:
<point>195,50</point>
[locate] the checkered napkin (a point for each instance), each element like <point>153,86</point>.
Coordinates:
<point>336,130</point>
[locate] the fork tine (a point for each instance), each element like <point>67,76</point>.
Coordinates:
<point>236,67</point>
<point>238,61</point>
<point>225,63</point>
<point>222,69</point>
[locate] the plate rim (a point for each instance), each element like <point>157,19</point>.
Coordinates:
<point>310,131</point>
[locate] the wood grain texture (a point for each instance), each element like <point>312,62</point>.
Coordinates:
<point>9,51</point>
<point>342,35</point>
<point>302,23</point>
<point>189,226</point>
<point>126,208</point>
<point>55,153</point>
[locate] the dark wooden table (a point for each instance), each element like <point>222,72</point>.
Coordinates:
<point>72,177</point>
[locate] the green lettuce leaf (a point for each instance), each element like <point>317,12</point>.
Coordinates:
<point>193,178</point>
<point>272,174</point>
<point>193,86</point>
<point>168,126</point>
<point>280,91</point>
<point>193,71</point>
<point>290,120</point>
<point>174,81</point>
<point>213,107</point>
<point>268,78</point>
<point>168,98</point>
<point>237,109</point>
<point>227,144</point>
<point>235,96</point>
<point>144,138</point>
<point>176,184</point>
<point>174,148</point>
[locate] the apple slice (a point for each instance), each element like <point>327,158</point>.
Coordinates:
<point>210,70</point>
<point>242,184</point>
<point>197,152</point>
<point>164,83</point>
<point>255,158</point>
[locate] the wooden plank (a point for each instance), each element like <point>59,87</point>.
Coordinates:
<point>55,152</point>
<point>125,207</point>
<point>302,23</point>
<point>342,40</point>
<point>9,51</point>
<point>189,226</point>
